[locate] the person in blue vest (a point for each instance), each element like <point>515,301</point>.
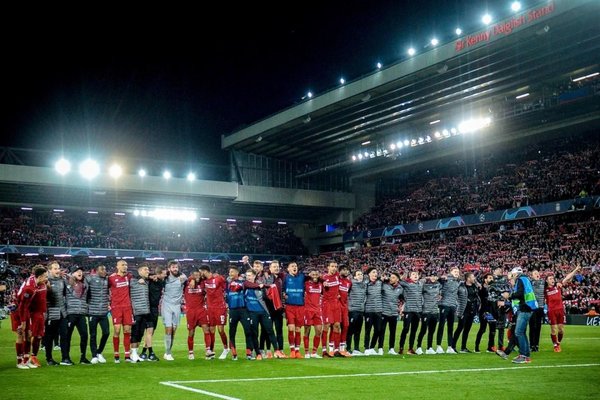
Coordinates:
<point>524,303</point>
<point>237,311</point>
<point>258,313</point>
<point>293,294</point>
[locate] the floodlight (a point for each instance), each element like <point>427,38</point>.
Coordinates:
<point>115,171</point>
<point>62,166</point>
<point>89,169</point>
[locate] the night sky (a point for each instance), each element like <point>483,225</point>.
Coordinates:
<point>165,82</point>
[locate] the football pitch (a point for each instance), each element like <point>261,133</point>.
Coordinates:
<point>572,374</point>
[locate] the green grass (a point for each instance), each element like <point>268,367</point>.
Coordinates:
<point>445,375</point>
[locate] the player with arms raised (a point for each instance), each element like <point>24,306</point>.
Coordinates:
<point>556,308</point>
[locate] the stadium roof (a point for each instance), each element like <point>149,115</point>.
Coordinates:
<point>531,52</point>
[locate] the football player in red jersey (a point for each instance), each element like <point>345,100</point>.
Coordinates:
<point>214,287</point>
<point>313,316</point>
<point>22,316</point>
<point>120,308</point>
<point>332,313</point>
<point>556,308</point>
<point>196,314</point>
<point>345,286</point>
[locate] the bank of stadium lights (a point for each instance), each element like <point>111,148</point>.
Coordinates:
<point>89,169</point>
<point>167,214</point>
<point>434,42</point>
<point>473,125</point>
<point>465,127</point>
<point>62,166</point>
<point>167,175</point>
<point>458,31</point>
<point>142,173</point>
<point>191,177</point>
<point>379,65</point>
<point>411,51</point>
<point>342,81</point>
<point>515,6</point>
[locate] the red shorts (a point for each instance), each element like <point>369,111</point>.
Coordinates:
<point>332,313</point>
<point>15,321</point>
<point>122,316</point>
<point>312,318</point>
<point>557,317</point>
<point>345,318</point>
<point>196,318</point>
<point>294,315</point>
<point>38,324</point>
<point>217,317</point>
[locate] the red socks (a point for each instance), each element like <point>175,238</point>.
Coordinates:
<point>560,337</point>
<point>116,345</point>
<point>207,341</point>
<point>223,339</point>
<point>35,346</point>
<point>316,342</point>
<point>127,342</point>
<point>291,338</point>
<point>298,339</point>
<point>554,339</point>
<point>190,343</point>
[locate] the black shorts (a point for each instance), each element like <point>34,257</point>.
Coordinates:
<point>139,326</point>
<point>154,314</point>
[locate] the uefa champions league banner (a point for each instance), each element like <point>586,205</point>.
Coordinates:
<point>151,255</point>
<point>510,214</point>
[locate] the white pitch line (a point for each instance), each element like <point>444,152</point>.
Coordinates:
<point>439,371</point>
<point>211,394</point>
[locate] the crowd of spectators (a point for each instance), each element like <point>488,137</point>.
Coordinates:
<point>556,170</point>
<point>552,244</point>
<point>110,231</point>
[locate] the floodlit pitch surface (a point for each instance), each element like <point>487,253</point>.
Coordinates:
<point>571,374</point>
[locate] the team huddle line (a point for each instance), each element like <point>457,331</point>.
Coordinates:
<point>332,306</point>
